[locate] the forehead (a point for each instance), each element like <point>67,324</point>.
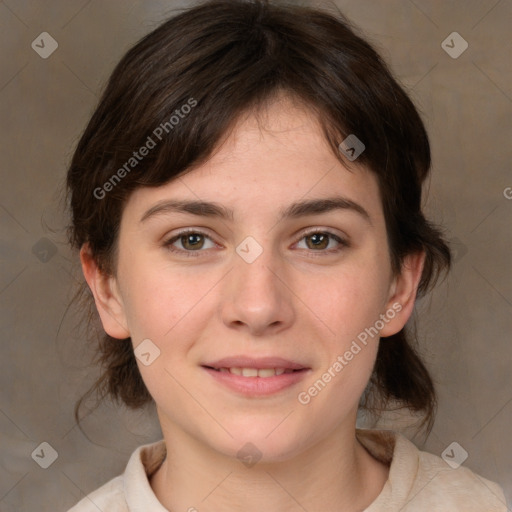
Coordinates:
<point>283,128</point>
<point>270,158</point>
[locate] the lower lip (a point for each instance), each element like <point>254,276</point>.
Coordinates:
<point>257,386</point>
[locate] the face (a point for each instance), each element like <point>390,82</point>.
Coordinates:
<point>284,280</point>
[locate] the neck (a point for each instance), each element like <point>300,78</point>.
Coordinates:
<point>336,473</point>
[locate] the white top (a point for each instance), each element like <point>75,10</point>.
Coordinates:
<point>418,481</point>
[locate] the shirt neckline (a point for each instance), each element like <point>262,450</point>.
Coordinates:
<point>387,446</point>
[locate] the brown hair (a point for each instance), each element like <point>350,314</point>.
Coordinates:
<point>227,58</point>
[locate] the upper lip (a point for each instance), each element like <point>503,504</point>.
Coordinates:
<point>255,362</point>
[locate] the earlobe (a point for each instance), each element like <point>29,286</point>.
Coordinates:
<point>106,296</point>
<point>403,293</point>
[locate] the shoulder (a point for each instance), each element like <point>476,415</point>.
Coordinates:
<point>108,497</point>
<point>131,490</point>
<point>419,481</point>
<point>438,486</point>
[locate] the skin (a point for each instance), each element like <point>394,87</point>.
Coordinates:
<point>295,301</point>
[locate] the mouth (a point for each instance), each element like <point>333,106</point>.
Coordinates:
<point>256,377</point>
<point>255,372</point>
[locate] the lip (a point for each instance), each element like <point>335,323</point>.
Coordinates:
<point>256,386</point>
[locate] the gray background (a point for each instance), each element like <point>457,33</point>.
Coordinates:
<point>44,105</point>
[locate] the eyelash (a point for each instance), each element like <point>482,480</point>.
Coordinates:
<point>194,254</point>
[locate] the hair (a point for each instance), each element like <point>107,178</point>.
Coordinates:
<point>223,59</point>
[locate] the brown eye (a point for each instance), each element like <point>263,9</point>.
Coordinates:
<point>192,241</point>
<point>321,241</point>
<point>317,241</point>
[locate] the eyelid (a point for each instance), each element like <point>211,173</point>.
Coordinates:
<point>320,229</point>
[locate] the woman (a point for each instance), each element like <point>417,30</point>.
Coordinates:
<point>246,200</point>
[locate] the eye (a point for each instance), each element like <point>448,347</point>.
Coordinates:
<point>191,241</point>
<point>319,241</point>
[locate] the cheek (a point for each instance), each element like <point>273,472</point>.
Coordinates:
<point>168,310</point>
<point>160,299</point>
<point>350,301</point>
<point>351,304</point>
<point>349,351</point>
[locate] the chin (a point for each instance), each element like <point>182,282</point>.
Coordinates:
<point>269,440</point>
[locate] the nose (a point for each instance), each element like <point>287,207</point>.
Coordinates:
<point>257,297</point>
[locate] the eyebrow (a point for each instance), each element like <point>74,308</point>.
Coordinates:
<point>294,210</point>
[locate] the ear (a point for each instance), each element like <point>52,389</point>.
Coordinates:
<point>106,296</point>
<point>402,296</point>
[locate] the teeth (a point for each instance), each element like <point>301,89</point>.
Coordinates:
<point>255,372</point>
<point>266,372</point>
